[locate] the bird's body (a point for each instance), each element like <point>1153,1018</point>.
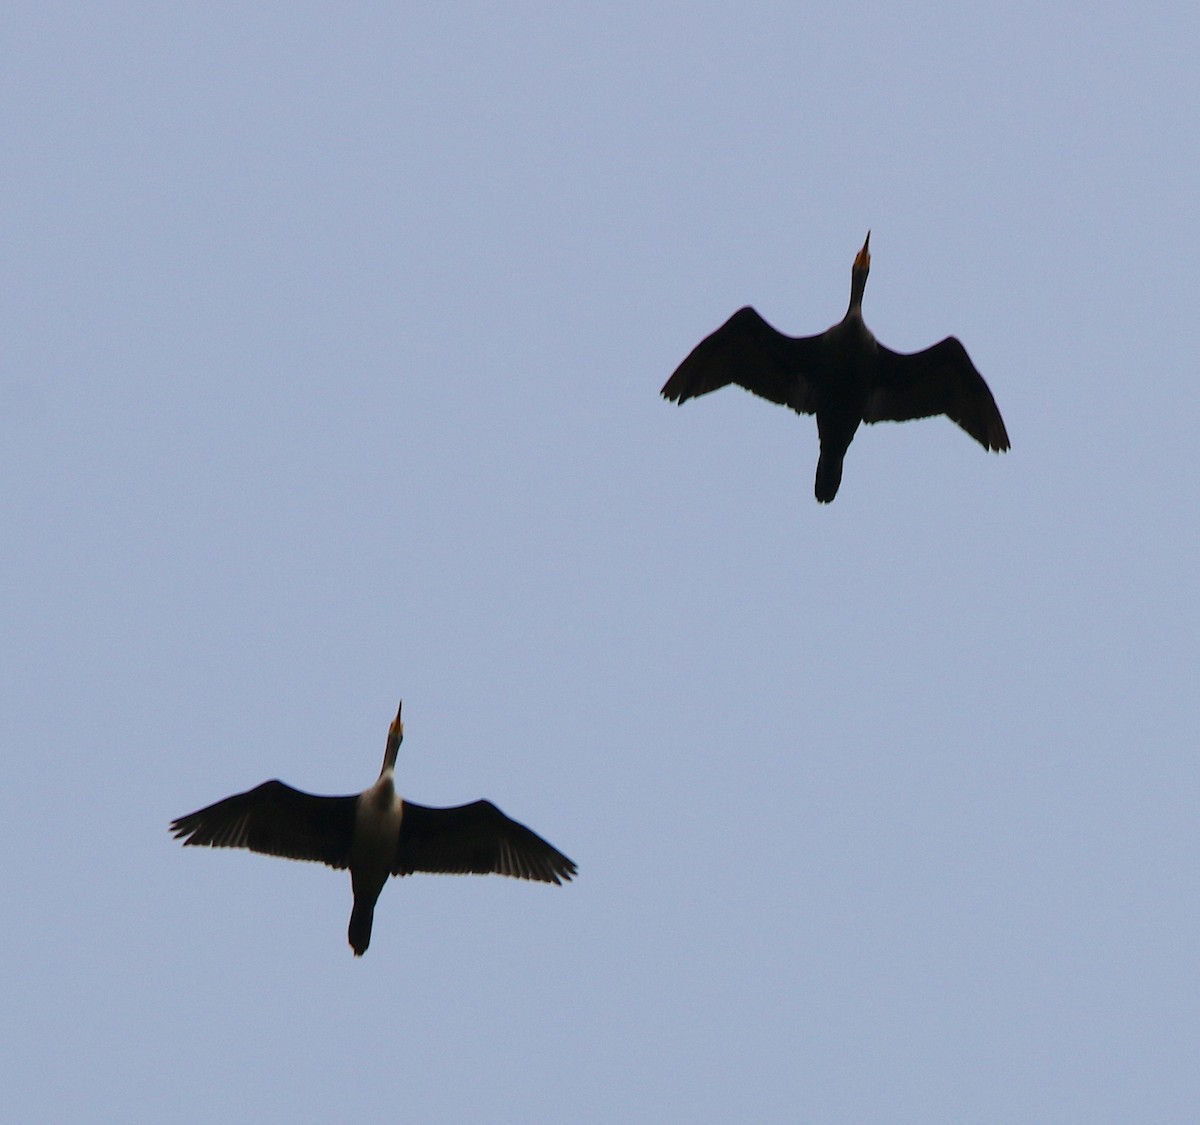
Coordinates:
<point>840,396</point>
<point>844,376</point>
<point>375,834</point>
<point>378,815</point>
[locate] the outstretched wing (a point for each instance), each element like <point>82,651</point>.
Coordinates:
<point>275,819</point>
<point>747,351</point>
<point>475,839</point>
<point>939,380</point>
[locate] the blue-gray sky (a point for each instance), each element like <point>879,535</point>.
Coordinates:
<point>332,339</point>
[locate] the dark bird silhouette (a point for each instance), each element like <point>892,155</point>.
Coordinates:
<point>844,376</point>
<point>375,834</point>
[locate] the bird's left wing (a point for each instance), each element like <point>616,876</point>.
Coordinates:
<point>939,380</point>
<point>747,351</point>
<point>475,839</point>
<point>275,819</point>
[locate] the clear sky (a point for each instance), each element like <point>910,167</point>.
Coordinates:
<point>331,345</point>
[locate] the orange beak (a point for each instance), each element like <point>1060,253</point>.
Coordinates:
<point>863,259</point>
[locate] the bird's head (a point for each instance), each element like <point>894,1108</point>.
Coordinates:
<point>858,277</point>
<point>862,260</point>
<point>395,737</point>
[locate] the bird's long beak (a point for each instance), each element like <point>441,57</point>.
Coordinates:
<point>863,259</point>
<point>397,729</point>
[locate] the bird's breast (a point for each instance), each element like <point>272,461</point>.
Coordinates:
<point>377,819</point>
<point>851,357</point>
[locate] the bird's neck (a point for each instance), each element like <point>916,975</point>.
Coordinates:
<point>392,750</point>
<point>858,285</point>
<point>382,795</point>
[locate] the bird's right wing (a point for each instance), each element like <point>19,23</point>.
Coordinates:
<point>747,351</point>
<point>275,819</point>
<point>940,380</point>
<point>475,839</point>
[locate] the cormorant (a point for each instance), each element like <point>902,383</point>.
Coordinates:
<point>375,834</point>
<point>844,376</point>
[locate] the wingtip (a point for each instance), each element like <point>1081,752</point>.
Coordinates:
<point>673,394</point>
<point>565,872</point>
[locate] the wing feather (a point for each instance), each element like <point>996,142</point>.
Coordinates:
<point>747,351</point>
<point>275,819</point>
<point>940,380</point>
<point>475,839</point>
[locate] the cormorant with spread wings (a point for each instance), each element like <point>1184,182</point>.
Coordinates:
<point>375,834</point>
<point>844,376</point>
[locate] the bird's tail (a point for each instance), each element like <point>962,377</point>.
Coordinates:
<point>829,475</point>
<point>359,934</point>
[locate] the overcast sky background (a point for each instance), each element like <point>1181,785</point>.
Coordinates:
<point>330,352</point>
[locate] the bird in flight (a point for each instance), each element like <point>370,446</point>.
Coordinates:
<point>844,376</point>
<point>375,834</point>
